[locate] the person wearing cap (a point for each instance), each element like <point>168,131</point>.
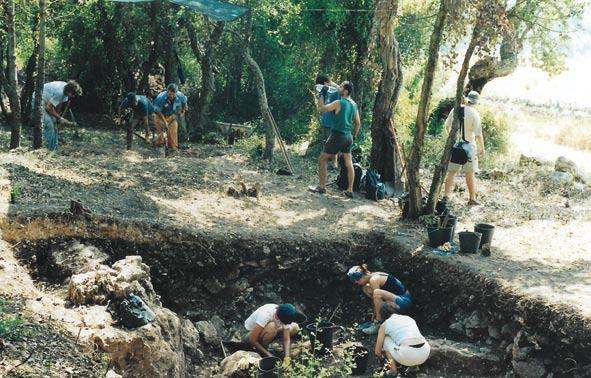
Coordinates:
<point>381,288</point>
<point>400,340</point>
<point>269,322</point>
<point>167,105</point>
<point>143,111</point>
<point>472,134</point>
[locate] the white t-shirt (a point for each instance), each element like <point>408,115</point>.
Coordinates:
<point>403,328</point>
<point>54,92</point>
<point>472,126</point>
<point>262,316</point>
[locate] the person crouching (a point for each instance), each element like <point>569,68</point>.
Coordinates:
<point>400,340</point>
<point>273,321</point>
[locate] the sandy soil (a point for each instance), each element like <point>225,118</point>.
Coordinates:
<point>541,244</point>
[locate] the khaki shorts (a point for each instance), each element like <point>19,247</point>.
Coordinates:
<point>469,167</point>
<point>407,355</point>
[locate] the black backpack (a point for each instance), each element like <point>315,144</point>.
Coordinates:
<point>462,152</point>
<point>130,312</point>
<point>342,179</point>
<point>374,188</point>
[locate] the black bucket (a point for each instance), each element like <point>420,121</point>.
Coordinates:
<point>360,359</point>
<point>452,220</point>
<point>487,231</point>
<point>269,367</point>
<point>323,332</point>
<point>469,241</point>
<point>439,236</point>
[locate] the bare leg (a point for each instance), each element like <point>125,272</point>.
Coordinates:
<point>350,171</point>
<point>449,184</point>
<point>323,159</point>
<point>471,184</point>
<point>269,333</point>
<point>380,296</point>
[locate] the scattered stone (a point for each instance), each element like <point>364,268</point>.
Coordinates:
<point>97,317</point>
<point>239,364</point>
<point>252,191</point>
<point>457,327</point>
<point>214,286</point>
<point>497,174</point>
<point>562,178</point>
<point>112,374</point>
<point>563,164</point>
<point>208,332</point>
<point>463,358</point>
<point>508,329</point>
<point>533,368</point>
<point>494,332</point>
<point>219,324</point>
<point>528,160</point>
<point>78,258</point>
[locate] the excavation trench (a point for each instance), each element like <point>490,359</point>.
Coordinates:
<point>478,326</point>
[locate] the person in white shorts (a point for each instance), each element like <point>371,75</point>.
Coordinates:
<point>473,134</point>
<point>269,322</point>
<point>400,340</point>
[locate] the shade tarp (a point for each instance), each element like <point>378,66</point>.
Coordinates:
<point>214,9</point>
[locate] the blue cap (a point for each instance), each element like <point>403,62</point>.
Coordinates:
<point>355,274</point>
<point>287,314</point>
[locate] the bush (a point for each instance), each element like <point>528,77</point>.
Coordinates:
<point>495,129</point>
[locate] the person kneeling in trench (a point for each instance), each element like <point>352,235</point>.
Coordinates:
<point>381,288</point>
<point>400,340</point>
<point>270,322</point>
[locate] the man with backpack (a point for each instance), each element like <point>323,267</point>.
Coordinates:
<point>346,127</point>
<point>471,131</point>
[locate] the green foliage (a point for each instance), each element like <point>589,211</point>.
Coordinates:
<point>495,128</point>
<point>11,326</point>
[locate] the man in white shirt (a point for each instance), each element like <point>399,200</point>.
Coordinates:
<point>55,94</point>
<point>270,321</point>
<point>472,134</point>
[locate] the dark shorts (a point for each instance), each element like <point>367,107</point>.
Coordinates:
<point>338,142</point>
<point>404,302</point>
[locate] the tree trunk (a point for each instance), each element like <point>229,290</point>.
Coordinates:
<point>38,112</point>
<point>207,80</point>
<point>148,66</point>
<point>384,157</point>
<point>263,104</point>
<point>28,88</point>
<point>439,174</point>
<point>10,82</point>
<point>414,163</point>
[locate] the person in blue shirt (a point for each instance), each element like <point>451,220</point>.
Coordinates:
<point>328,117</point>
<point>167,105</point>
<point>143,111</point>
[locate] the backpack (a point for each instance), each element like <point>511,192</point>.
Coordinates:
<point>342,179</point>
<point>130,312</point>
<point>374,188</point>
<point>462,152</point>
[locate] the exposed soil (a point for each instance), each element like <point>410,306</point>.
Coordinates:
<point>175,213</point>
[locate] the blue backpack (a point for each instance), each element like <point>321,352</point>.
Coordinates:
<point>374,188</point>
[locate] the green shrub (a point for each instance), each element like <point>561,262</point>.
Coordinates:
<point>495,129</point>
<point>11,327</point>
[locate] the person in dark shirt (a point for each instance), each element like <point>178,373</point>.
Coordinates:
<point>142,109</point>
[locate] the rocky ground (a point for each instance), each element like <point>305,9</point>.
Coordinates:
<point>540,246</point>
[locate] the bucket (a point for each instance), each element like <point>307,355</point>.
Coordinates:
<point>439,236</point>
<point>323,332</point>
<point>452,220</point>
<point>360,359</point>
<point>469,241</point>
<point>487,231</point>
<point>268,367</point>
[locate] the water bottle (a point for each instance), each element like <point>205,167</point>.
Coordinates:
<point>330,89</point>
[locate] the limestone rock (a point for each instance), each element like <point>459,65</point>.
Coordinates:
<point>208,332</point>
<point>494,332</point>
<point>97,317</point>
<point>528,160</point>
<point>497,174</point>
<point>457,327</point>
<point>563,164</point>
<point>562,178</point>
<point>533,368</point>
<point>157,349</point>
<point>239,364</point>
<point>112,374</point>
<point>219,324</point>
<point>462,357</point>
<point>126,276</point>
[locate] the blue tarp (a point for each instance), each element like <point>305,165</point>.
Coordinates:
<point>214,9</point>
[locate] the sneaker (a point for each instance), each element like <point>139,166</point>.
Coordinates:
<point>473,203</point>
<point>316,189</point>
<point>348,194</point>
<point>372,329</point>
